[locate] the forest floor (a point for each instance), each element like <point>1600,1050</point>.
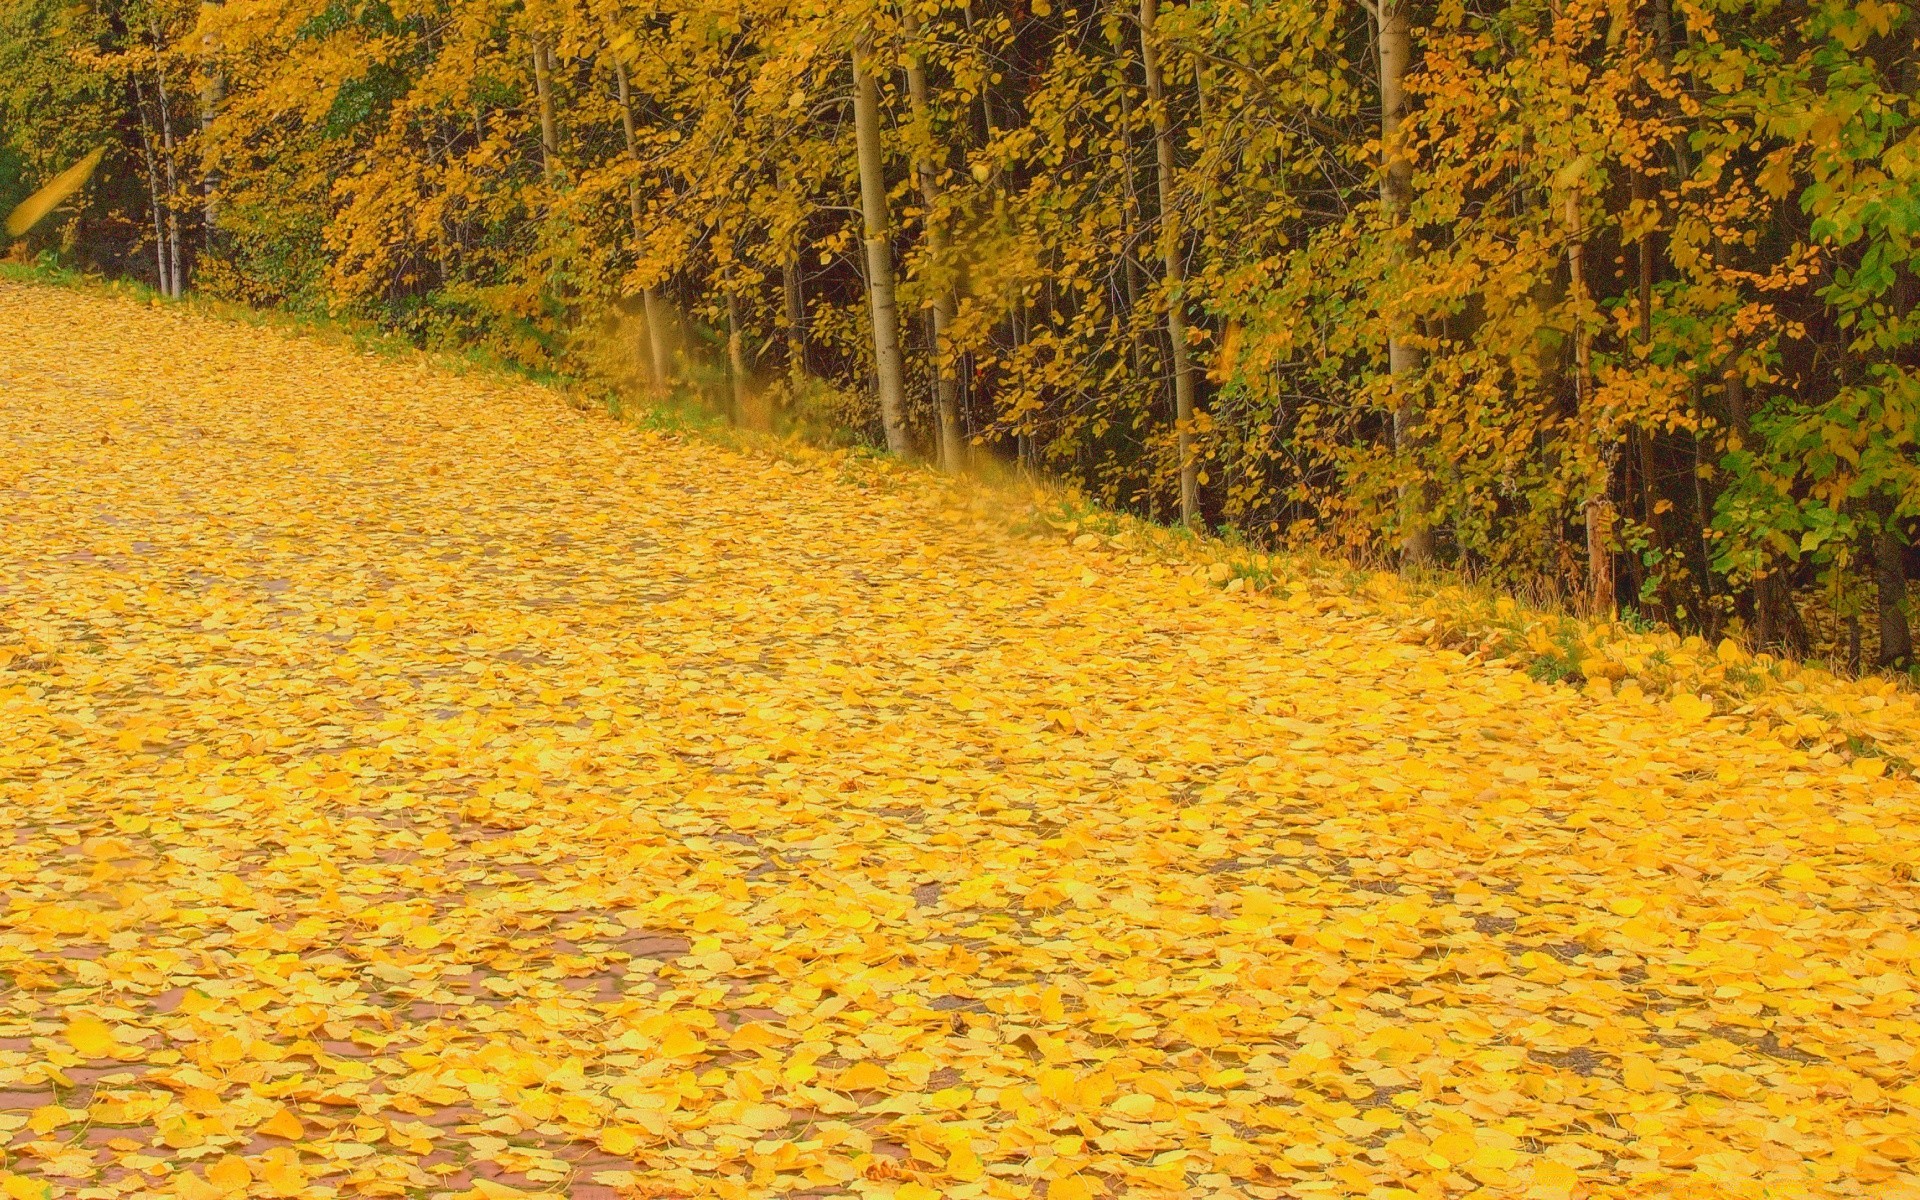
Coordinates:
<point>413,785</point>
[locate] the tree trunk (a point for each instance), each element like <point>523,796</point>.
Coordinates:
<point>176,273</point>
<point>793,298</point>
<point>153,192</point>
<point>792,292</point>
<point>1602,593</point>
<point>737,359</point>
<point>1396,197</point>
<point>543,94</point>
<point>1645,274</point>
<point>1175,270</point>
<point>945,392</point>
<point>1734,390</point>
<point>1026,454</point>
<point>661,356</point>
<point>1130,223</point>
<point>1889,565</point>
<point>177,267</point>
<point>212,91</point>
<point>656,362</point>
<point>1890,582</point>
<point>627,132</point>
<point>878,235</point>
<point>1776,619</point>
<point>1642,441</point>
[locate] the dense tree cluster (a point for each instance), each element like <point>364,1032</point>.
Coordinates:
<point>1612,298</point>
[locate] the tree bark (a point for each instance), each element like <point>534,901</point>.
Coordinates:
<point>1174,268</point>
<point>656,361</point>
<point>1642,448</point>
<point>212,91</point>
<point>1130,224</point>
<point>1602,592</point>
<point>657,341</point>
<point>794,295</point>
<point>1889,563</point>
<point>1890,582</point>
<point>153,192</point>
<point>737,359</point>
<point>945,392</point>
<point>176,285</point>
<point>543,95</point>
<point>1396,198</point>
<point>1776,619</point>
<point>888,367</point>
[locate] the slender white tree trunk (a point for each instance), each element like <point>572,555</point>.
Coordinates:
<point>176,270</point>
<point>153,192</point>
<point>879,246</point>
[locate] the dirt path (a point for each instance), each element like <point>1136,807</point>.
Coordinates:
<point>410,785</point>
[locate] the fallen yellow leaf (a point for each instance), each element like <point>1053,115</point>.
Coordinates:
<point>91,1037</point>
<point>281,1171</point>
<point>282,1124</point>
<point>230,1173</point>
<point>863,1076</point>
<point>1070,1187</point>
<point>965,1165</point>
<point>19,1187</point>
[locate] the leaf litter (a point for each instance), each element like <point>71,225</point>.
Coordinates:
<point>411,785</point>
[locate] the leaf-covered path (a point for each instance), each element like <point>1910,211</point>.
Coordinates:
<point>411,785</point>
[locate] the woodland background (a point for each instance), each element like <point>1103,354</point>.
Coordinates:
<point>1608,301</point>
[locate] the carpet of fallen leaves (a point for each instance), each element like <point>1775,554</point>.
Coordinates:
<point>412,785</point>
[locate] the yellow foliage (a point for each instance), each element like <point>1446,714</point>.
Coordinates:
<point>770,791</point>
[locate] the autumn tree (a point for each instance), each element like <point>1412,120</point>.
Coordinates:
<point>1607,301</point>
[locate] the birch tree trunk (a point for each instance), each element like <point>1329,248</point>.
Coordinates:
<point>153,192</point>
<point>879,246</point>
<point>176,269</point>
<point>1396,196</point>
<point>1174,269</point>
<point>945,393</point>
